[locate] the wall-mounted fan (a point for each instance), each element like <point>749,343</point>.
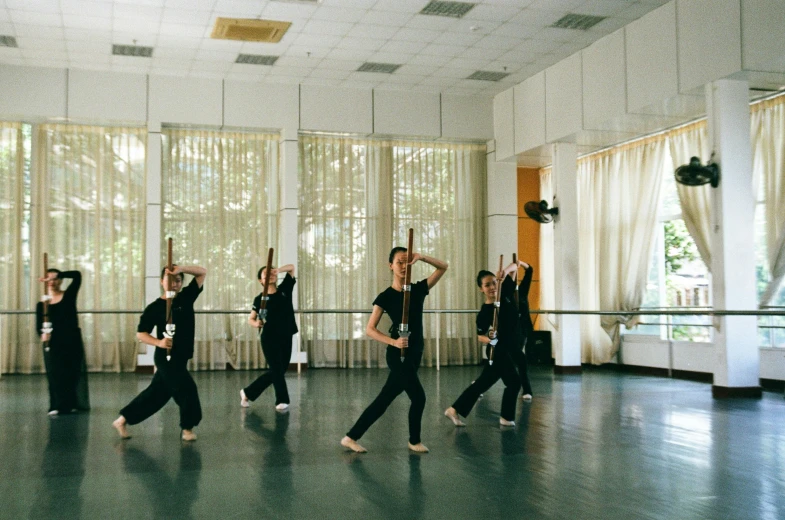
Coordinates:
<point>539,211</point>
<point>696,174</point>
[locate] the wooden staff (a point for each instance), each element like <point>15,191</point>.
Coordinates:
<point>496,305</point>
<point>169,294</point>
<point>46,325</point>
<point>403,329</point>
<point>515,280</point>
<point>265,288</point>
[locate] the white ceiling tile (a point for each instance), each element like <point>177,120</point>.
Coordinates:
<point>350,54</point>
<point>300,72</point>
<point>211,66</point>
<point>40,43</point>
<point>493,13</point>
<point>330,74</point>
<point>134,38</point>
<point>537,17</point>
<point>292,61</point>
<point>131,61</point>
<point>36,18</point>
<point>44,54</point>
<point>203,73</point>
<point>209,55</point>
<point>420,71</point>
<point>513,3</point>
<point>380,32</point>
<point>86,22</point>
<point>239,8</point>
<point>358,4</point>
<point>416,35</point>
<point>515,58</point>
<point>314,39</point>
<point>486,53</point>
<point>171,63</point>
<point>434,23</point>
<point>7,29</point>
<point>438,81</point>
<point>338,14</point>
<point>134,25</point>
<point>137,12</point>
<point>4,16</point>
<point>394,18</point>
<point>287,11</point>
<point>178,42</point>
<point>402,47</point>
<point>455,38</point>
<point>160,71</point>
<point>391,57</point>
<point>635,11</point>
<point>304,51</point>
<point>516,30</point>
<point>87,8</point>
<point>461,62</point>
<point>479,27</point>
<point>173,53</point>
<point>81,46</point>
<point>403,79</point>
<point>188,16</point>
<point>607,26</point>
<point>250,75</point>
<point>90,57</point>
<point>406,6</point>
<point>231,46</point>
<point>345,65</point>
<point>327,27</point>
<point>497,42</point>
<point>359,85</point>
<point>434,89</point>
<point>426,59</point>
<point>536,46</point>
<point>367,77</point>
<point>39,31</point>
<point>271,49</point>
<point>285,80</point>
<point>556,34</point>
<point>443,50</point>
<point>603,7</point>
<point>201,5</point>
<point>453,72</point>
<point>86,34</point>
<point>362,44</point>
<point>146,3</point>
<point>560,5</point>
<point>192,31</point>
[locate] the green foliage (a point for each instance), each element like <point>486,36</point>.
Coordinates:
<point>680,248</point>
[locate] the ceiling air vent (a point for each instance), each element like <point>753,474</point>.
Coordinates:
<point>485,75</point>
<point>256,59</point>
<point>384,68</point>
<point>7,41</point>
<point>449,9</point>
<point>249,30</point>
<point>581,22</point>
<point>132,50</point>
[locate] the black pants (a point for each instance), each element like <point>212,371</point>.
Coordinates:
<point>502,368</point>
<point>402,378</point>
<point>66,372</point>
<point>278,353</point>
<point>171,381</point>
<point>519,358</point>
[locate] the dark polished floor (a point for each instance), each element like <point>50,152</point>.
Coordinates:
<point>598,446</point>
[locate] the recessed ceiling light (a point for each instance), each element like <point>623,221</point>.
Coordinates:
<point>485,75</point>
<point>256,59</point>
<point>384,68</point>
<point>581,22</point>
<point>448,9</point>
<point>132,50</point>
<point>8,41</point>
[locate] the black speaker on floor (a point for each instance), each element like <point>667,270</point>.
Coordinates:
<point>538,348</point>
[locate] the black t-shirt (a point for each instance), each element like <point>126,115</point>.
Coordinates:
<point>154,315</point>
<point>62,315</point>
<point>392,302</point>
<point>507,327</point>
<point>280,322</point>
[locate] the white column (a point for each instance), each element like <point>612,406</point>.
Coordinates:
<point>737,365</point>
<point>153,230</point>
<point>288,238</point>
<point>502,211</point>
<point>567,337</point>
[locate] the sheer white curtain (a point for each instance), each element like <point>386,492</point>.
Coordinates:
<point>547,259</point>
<point>16,332</point>
<point>357,198</point>
<point>768,159</point>
<point>88,213</point>
<point>696,201</point>
<point>618,195</point>
<point>221,203</point>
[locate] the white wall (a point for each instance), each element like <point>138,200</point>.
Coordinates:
<point>41,94</point>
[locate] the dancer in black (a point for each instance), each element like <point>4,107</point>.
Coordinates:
<point>403,373</point>
<point>64,357</point>
<point>519,355</point>
<point>171,379</point>
<point>504,341</point>
<point>276,336</point>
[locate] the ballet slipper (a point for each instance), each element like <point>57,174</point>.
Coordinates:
<point>189,435</point>
<point>418,448</point>
<point>452,415</point>
<point>350,444</point>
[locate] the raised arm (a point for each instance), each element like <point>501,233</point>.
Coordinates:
<point>76,282</point>
<point>526,283</point>
<point>440,265</point>
<point>198,272</point>
<point>288,268</point>
<point>374,333</point>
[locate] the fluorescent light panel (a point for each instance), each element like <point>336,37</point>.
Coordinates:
<point>581,22</point>
<point>256,59</point>
<point>132,50</point>
<point>486,75</point>
<point>448,9</point>
<point>384,68</point>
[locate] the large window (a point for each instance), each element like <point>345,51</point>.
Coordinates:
<point>357,199</point>
<point>220,207</point>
